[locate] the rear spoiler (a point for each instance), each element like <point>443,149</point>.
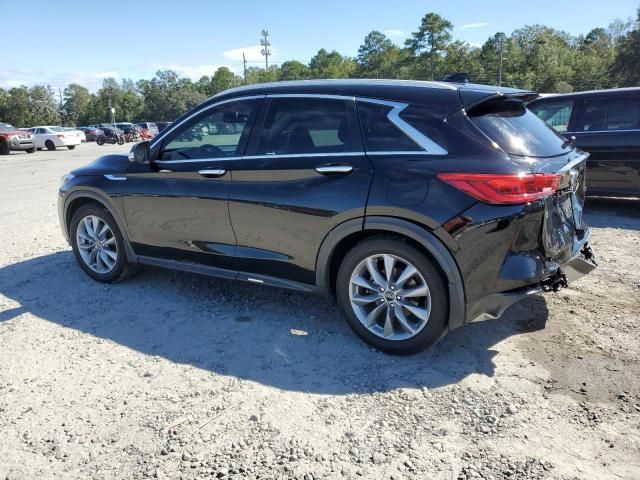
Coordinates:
<point>471,98</point>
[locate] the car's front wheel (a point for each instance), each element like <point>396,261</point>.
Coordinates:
<point>98,244</point>
<point>393,295</point>
<point>30,150</point>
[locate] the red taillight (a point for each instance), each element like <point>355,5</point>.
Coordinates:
<point>504,189</point>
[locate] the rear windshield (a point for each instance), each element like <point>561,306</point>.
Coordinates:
<point>517,130</point>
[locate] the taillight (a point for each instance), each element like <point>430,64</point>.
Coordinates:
<point>60,135</point>
<point>507,189</point>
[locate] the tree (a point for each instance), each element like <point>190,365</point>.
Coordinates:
<point>294,70</point>
<point>44,107</point>
<point>626,66</point>
<point>223,79</point>
<point>331,65</point>
<point>77,101</point>
<point>167,96</point>
<point>4,97</point>
<point>261,75</point>
<point>431,40</point>
<point>378,57</point>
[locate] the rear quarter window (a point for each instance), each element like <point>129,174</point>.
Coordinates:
<point>517,130</point>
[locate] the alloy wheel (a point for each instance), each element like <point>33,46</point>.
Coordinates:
<point>390,297</point>
<point>97,244</point>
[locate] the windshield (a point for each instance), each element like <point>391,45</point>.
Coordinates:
<point>56,129</point>
<point>5,127</point>
<point>517,130</point>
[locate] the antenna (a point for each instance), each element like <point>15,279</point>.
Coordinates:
<point>266,47</point>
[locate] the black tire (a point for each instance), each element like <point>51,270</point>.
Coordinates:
<point>30,150</point>
<point>71,147</point>
<point>100,140</point>
<point>50,145</point>
<point>122,269</point>
<point>437,320</point>
<point>120,141</point>
<point>4,148</point>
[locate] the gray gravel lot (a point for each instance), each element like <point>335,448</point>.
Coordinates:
<point>172,375</point>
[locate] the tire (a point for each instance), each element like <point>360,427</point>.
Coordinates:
<point>120,141</point>
<point>416,332</point>
<point>100,140</point>
<point>121,269</point>
<point>4,148</point>
<point>50,145</point>
<point>30,150</point>
<point>71,147</point>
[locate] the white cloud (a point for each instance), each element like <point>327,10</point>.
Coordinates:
<point>252,54</point>
<point>194,72</point>
<point>474,25</point>
<point>91,80</point>
<point>395,33</point>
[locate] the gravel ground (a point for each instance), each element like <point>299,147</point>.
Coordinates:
<point>172,375</point>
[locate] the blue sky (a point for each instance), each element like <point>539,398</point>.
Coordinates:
<point>73,41</point>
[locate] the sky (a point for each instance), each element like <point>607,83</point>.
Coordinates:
<point>57,42</point>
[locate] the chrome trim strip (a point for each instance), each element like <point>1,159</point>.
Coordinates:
<point>212,171</point>
<point>117,178</point>
<point>312,95</point>
<point>569,166</point>
<point>399,152</point>
<point>431,147</point>
<point>634,130</point>
<point>260,157</point>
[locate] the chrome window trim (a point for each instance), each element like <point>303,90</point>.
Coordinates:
<point>580,132</point>
<point>167,131</point>
<point>429,146</point>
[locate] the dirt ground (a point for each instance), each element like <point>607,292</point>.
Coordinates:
<point>172,375</point>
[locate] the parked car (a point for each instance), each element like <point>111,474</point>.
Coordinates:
<point>357,188</point>
<point>162,125</point>
<point>91,134</point>
<point>79,132</point>
<point>52,137</point>
<point>12,138</point>
<point>606,124</point>
<point>151,127</point>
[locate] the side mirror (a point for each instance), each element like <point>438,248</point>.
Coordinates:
<point>140,153</point>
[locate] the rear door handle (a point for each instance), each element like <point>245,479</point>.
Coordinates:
<point>212,172</point>
<point>334,169</point>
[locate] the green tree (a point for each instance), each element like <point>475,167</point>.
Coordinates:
<point>223,79</point>
<point>294,70</point>
<point>77,101</point>
<point>331,65</point>
<point>261,75</point>
<point>379,57</point>
<point>430,41</point>
<point>4,97</point>
<point>626,66</point>
<point>167,96</point>
<point>44,107</point>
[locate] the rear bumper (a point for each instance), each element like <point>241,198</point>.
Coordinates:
<point>493,306</point>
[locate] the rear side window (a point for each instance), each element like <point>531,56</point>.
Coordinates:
<point>517,130</point>
<point>306,126</point>
<point>380,133</point>
<point>555,114</point>
<point>602,114</point>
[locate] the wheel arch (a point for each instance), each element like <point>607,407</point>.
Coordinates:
<point>342,238</point>
<point>78,198</point>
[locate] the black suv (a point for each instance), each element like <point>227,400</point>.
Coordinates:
<point>422,206</point>
<point>606,124</point>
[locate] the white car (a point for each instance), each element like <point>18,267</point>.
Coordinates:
<point>80,133</point>
<point>53,137</point>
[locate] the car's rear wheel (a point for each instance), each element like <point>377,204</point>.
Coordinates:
<point>100,140</point>
<point>50,145</point>
<point>71,147</point>
<point>393,296</point>
<point>98,244</point>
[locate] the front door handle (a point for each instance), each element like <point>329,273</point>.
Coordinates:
<point>212,172</point>
<point>334,169</point>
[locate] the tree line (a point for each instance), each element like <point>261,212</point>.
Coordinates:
<point>533,57</point>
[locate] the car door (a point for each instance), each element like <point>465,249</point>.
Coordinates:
<point>305,173</point>
<point>608,127</point>
<point>40,134</point>
<point>176,207</point>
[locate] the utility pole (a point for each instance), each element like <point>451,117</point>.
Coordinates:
<point>266,47</point>
<point>244,65</point>
<point>501,59</point>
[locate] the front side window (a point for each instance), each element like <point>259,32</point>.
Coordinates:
<point>217,133</point>
<point>380,133</point>
<point>299,126</point>
<point>556,114</point>
<point>610,114</point>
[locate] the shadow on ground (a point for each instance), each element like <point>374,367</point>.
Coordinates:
<point>245,331</point>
